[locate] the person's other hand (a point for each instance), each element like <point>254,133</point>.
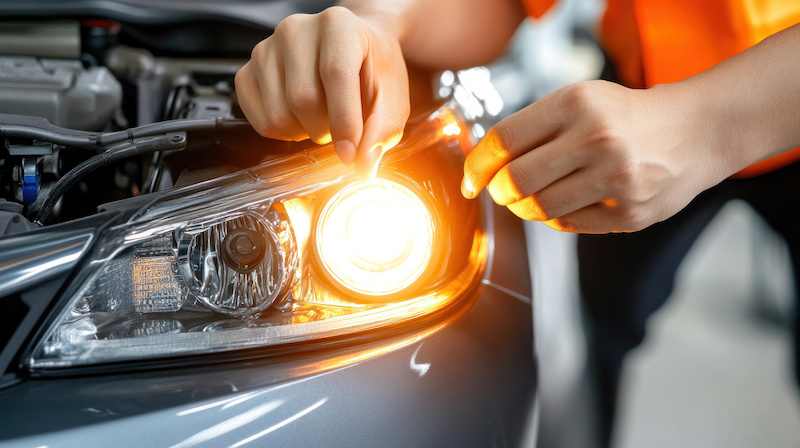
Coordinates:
<point>331,76</point>
<point>596,157</point>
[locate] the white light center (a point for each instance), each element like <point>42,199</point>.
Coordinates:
<point>375,238</point>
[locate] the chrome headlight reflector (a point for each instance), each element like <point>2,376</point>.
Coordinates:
<point>238,266</point>
<point>295,249</point>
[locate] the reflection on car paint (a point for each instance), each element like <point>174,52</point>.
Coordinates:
<point>420,368</point>
<point>230,425</point>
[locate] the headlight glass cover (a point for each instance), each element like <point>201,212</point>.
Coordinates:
<point>293,250</point>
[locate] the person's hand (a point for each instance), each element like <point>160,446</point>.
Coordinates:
<point>331,76</point>
<point>596,157</point>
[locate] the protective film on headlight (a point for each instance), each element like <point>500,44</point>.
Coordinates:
<point>293,250</point>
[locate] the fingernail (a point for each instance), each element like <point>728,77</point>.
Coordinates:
<point>467,190</point>
<point>370,167</point>
<point>346,151</point>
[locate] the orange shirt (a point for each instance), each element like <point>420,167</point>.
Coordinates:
<point>661,41</point>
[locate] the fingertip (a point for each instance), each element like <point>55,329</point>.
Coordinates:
<point>467,189</point>
<point>324,140</point>
<point>346,151</point>
<point>367,166</point>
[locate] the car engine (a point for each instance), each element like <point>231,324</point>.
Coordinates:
<point>84,79</point>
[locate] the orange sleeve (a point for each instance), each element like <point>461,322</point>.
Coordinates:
<point>619,34</point>
<point>662,41</point>
<point>537,8</point>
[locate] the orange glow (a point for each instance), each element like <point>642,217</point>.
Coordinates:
<point>362,355</point>
<point>391,141</point>
<point>495,147</point>
<point>417,307</point>
<point>300,211</point>
<point>342,361</point>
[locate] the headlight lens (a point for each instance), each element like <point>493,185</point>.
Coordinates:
<point>375,238</point>
<point>292,250</point>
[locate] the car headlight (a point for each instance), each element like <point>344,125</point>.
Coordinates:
<point>375,238</point>
<point>293,250</point>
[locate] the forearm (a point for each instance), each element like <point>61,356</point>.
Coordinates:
<point>750,103</point>
<point>445,33</point>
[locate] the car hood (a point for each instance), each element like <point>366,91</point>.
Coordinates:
<point>266,14</point>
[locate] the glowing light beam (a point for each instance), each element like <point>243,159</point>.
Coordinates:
<point>375,238</point>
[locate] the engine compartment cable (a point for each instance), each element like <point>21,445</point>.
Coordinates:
<point>36,128</point>
<point>169,142</point>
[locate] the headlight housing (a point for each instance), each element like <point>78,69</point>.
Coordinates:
<point>295,249</point>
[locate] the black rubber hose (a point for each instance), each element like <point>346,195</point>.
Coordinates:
<point>21,126</point>
<point>173,141</point>
<point>180,125</point>
<point>37,128</point>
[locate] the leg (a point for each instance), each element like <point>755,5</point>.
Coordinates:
<point>776,196</point>
<point>626,277</point>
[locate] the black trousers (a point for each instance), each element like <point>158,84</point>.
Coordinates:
<point>624,278</point>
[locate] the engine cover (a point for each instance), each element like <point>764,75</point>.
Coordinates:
<point>62,91</point>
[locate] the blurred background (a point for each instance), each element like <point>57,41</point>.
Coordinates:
<point>716,368</point>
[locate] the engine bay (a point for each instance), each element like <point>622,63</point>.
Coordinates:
<point>75,78</point>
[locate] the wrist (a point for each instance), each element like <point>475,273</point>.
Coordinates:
<point>741,123</point>
<point>385,17</point>
<point>687,123</point>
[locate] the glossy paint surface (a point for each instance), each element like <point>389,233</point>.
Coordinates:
<point>31,259</point>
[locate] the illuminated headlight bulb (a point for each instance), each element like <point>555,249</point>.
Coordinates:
<point>375,238</point>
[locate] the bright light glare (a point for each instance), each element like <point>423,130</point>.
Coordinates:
<point>452,129</point>
<point>375,238</point>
